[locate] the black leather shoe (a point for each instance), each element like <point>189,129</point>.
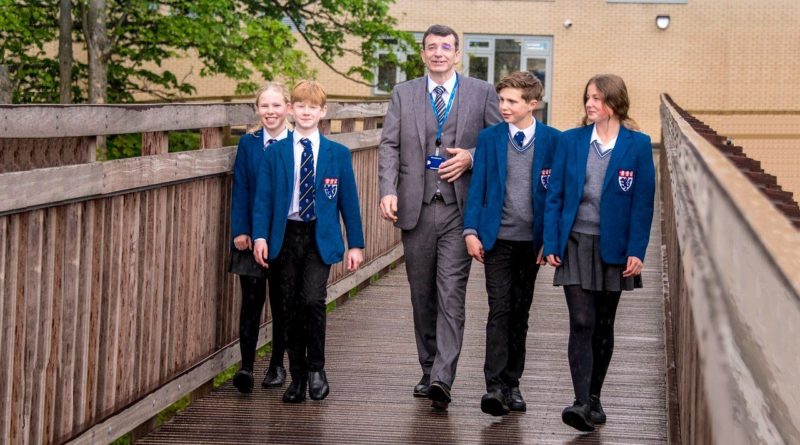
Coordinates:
<point>596,410</point>
<point>296,392</point>
<point>243,381</point>
<point>515,401</point>
<point>421,390</point>
<point>318,387</point>
<point>494,403</point>
<point>578,417</point>
<point>275,377</point>
<point>439,393</point>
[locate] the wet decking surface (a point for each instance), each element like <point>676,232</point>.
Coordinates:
<point>372,367</point>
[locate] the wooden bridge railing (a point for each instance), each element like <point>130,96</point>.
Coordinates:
<point>734,297</point>
<point>114,296</point>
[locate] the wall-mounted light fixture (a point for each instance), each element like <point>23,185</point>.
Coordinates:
<point>662,22</point>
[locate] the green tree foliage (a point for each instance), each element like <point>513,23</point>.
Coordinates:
<point>235,38</point>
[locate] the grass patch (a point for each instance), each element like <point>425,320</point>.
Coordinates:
<point>330,307</point>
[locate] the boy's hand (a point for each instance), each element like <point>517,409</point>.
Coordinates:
<point>539,260</point>
<point>474,247</point>
<point>553,260</point>
<point>634,267</point>
<point>355,257</point>
<point>243,242</point>
<point>389,208</point>
<point>453,168</point>
<point>261,252</point>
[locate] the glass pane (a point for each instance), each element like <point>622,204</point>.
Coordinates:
<point>537,67</point>
<point>387,73</point>
<point>415,67</point>
<point>478,67</point>
<point>506,57</point>
<point>479,44</point>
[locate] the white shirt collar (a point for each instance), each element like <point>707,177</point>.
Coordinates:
<point>529,132</point>
<point>448,86</point>
<point>313,137</point>
<point>267,137</point>
<point>610,145</point>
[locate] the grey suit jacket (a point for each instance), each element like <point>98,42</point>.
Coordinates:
<point>401,152</point>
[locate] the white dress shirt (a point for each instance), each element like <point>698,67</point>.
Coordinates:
<point>529,132</point>
<point>603,147</point>
<point>267,137</point>
<point>294,208</point>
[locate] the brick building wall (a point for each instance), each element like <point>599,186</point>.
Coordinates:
<point>715,55</point>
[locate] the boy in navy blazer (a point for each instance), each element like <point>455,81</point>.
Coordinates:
<point>503,229</point>
<point>305,184</point>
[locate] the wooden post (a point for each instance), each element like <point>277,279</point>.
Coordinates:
<point>155,143</point>
<point>211,137</point>
<point>348,125</point>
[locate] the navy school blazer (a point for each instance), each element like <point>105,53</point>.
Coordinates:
<point>487,188</point>
<point>245,172</point>
<point>274,190</point>
<point>626,200</point>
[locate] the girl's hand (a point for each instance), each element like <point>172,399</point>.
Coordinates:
<point>634,267</point>
<point>243,242</point>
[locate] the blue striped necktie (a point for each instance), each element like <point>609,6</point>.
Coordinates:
<point>270,142</point>
<point>438,100</point>
<point>307,182</point>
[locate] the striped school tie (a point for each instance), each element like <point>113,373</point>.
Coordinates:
<point>270,142</point>
<point>438,100</point>
<point>307,182</point>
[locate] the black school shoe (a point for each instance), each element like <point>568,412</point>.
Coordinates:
<point>275,377</point>
<point>439,393</point>
<point>421,388</point>
<point>494,403</point>
<point>578,416</point>
<point>296,392</point>
<point>243,381</point>
<point>597,414</point>
<point>515,401</point>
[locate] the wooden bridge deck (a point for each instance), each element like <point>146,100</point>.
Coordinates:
<point>372,367</point>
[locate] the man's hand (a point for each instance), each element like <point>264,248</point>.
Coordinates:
<point>355,257</point>
<point>474,247</point>
<point>389,208</point>
<point>553,260</point>
<point>261,253</point>
<point>634,267</point>
<point>453,168</point>
<point>243,242</point>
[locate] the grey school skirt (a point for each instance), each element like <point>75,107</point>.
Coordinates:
<point>582,265</point>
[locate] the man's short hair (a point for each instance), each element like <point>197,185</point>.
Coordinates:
<point>309,91</point>
<point>530,85</point>
<point>441,31</point>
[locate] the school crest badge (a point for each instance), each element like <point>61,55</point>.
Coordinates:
<point>625,179</point>
<point>545,178</point>
<point>330,186</point>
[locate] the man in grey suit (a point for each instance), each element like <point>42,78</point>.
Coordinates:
<point>425,156</point>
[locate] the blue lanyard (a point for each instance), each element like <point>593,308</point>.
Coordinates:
<point>440,125</point>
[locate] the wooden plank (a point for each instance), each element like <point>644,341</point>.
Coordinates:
<point>70,307</point>
<point>155,143</point>
<point>351,110</point>
<point>9,251</point>
<point>31,342</point>
<point>19,224</point>
<point>54,121</point>
<point>348,125</point>
<point>21,190</point>
<point>50,325</point>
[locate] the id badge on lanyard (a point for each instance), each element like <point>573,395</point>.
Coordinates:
<point>432,162</point>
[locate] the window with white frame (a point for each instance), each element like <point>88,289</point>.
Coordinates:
<point>490,58</point>
<point>388,74</point>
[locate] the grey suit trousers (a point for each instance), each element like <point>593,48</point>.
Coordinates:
<point>438,268</point>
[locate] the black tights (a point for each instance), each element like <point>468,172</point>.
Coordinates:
<point>591,338</point>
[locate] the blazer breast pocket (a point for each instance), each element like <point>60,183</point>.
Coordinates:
<point>625,180</point>
<point>330,186</point>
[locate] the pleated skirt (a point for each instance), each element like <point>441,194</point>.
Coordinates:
<point>582,265</point>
